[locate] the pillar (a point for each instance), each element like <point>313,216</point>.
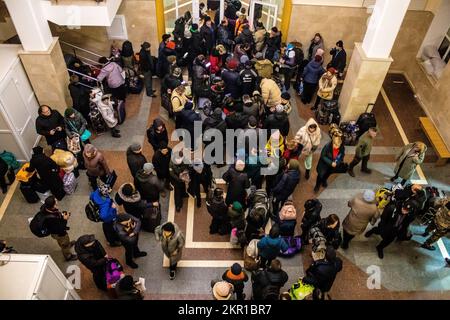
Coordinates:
<point>371,59</point>
<point>160,19</point>
<point>41,56</point>
<point>286,18</point>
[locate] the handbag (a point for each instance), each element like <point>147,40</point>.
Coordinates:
<point>73,144</point>
<point>112,177</point>
<point>86,135</point>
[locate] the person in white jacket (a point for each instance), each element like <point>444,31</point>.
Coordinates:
<point>309,137</point>
<point>106,109</point>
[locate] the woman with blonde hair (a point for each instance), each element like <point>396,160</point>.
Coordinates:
<point>327,84</point>
<point>409,157</point>
<point>309,137</point>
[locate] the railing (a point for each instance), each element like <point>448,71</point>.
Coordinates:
<point>99,84</point>
<point>73,49</point>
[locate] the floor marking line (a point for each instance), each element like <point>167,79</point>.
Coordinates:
<point>204,263</point>
<point>7,199</point>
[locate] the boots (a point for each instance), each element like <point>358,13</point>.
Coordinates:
<point>350,172</point>
<point>115,133</point>
<point>307,174</point>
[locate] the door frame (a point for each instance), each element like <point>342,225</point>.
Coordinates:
<point>252,12</point>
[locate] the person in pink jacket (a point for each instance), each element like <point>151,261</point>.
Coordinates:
<point>112,72</point>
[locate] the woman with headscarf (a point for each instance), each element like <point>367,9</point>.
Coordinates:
<point>127,54</point>
<point>74,123</point>
<point>316,44</point>
<point>409,157</point>
<point>309,137</point>
<point>157,134</point>
<point>50,124</point>
<point>95,164</point>
<point>327,84</point>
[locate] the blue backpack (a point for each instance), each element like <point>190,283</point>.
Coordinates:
<point>294,244</point>
<point>10,159</point>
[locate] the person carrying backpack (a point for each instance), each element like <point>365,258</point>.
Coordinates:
<point>218,209</point>
<point>51,221</point>
<point>270,246</point>
<point>237,277</point>
<point>266,284</point>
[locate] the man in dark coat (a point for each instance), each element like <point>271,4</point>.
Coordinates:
<point>194,47</point>
<point>93,256</point>
<point>394,224</point>
<point>157,133</point>
<point>80,96</point>
<point>200,174</point>
<point>218,209</point>
<point>207,32</point>
<point>245,37</point>
<point>187,119</point>
<point>135,158</point>
<point>48,172</point>
<point>161,162</point>
<point>146,66</point>
<point>322,273</point>
<point>267,283</point>
<point>148,184</point>
<point>50,124</point>
<point>200,76</point>
<point>339,60</point>
<point>247,79</point>
<point>278,121</point>
<point>128,228</point>
<point>162,64</point>
<point>331,161</point>
<point>231,78</point>
<point>286,185</point>
<point>237,181</point>
<point>224,35</point>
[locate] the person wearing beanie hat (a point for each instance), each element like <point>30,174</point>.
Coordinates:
<point>236,215</point>
<point>130,198</point>
<point>127,228</point>
<point>363,210</point>
<point>237,277</point>
<point>327,84</point>
<point>146,66</point>
<point>237,182</point>
<point>363,149</point>
<point>339,58</point>
<point>74,123</point>
<point>201,175</point>
<point>148,184</point>
<point>222,290</point>
<point>172,243</point>
<point>286,185</point>
<point>135,158</point>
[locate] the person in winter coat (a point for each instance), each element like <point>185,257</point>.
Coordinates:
<point>266,284</point>
<point>48,172</point>
<point>224,36</point>
<point>248,78</point>
<point>237,181</point>
<point>128,227</point>
<point>322,273</point>
<point>74,123</point>
<point>288,65</point>
<point>200,174</point>
<point>329,227</point>
<point>270,246</point>
<point>135,158</point>
<point>106,109</point>
<point>316,44</point>
<point>146,67</point>
<point>286,185</point>
<point>260,37</point>
<point>251,108</point>
<point>327,84</point>
<point>311,216</point>
<point>309,137</point>
<point>178,99</point>
<point>127,55</point>
<point>264,67</point>
<point>157,134</point>
<point>128,289</point>
<point>171,81</point>
<point>50,124</point>
<point>270,92</point>
<point>339,58</point>
<point>409,157</point>
<point>237,277</point>
<point>239,26</point>
<point>236,215</point>
<point>93,256</point>
<point>200,76</point>
<point>130,198</point>
<point>172,244</point>
<point>311,76</point>
<point>187,119</point>
<point>331,161</point>
<point>56,224</point>
<point>439,226</point>
<point>107,212</point>
<point>96,165</point>
<point>394,224</point>
<point>161,162</point>
<point>230,76</point>
<point>245,37</point>
<point>218,209</point>
<point>213,121</point>
<point>179,177</point>
<point>112,72</point>
<point>363,210</point>
<point>148,184</point>
<point>216,61</point>
<point>273,44</point>
<point>80,96</point>
<point>278,120</point>
<point>207,31</point>
<point>162,63</point>
<point>363,149</point>
<point>412,192</point>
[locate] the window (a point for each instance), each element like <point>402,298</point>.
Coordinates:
<point>444,48</point>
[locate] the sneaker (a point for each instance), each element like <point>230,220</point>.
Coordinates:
<point>132,265</point>
<point>380,253</point>
<point>307,174</point>
<point>428,247</point>
<point>172,274</point>
<point>72,257</point>
<point>351,173</point>
<point>141,254</point>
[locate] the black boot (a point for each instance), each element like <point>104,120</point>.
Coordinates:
<point>307,174</point>
<point>350,172</point>
<point>380,252</point>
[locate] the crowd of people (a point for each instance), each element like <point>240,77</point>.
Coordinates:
<point>237,79</point>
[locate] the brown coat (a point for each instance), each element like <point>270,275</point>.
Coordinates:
<point>96,166</point>
<point>270,92</point>
<point>360,215</point>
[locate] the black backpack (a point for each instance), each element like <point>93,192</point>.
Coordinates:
<point>37,225</point>
<point>271,292</point>
<point>92,211</point>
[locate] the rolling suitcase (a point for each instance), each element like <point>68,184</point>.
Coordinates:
<point>120,109</point>
<point>151,217</point>
<point>28,193</point>
<point>366,121</point>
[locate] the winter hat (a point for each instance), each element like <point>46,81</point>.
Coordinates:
<point>286,96</point>
<point>145,45</point>
<point>128,189</point>
<point>290,46</point>
<point>294,164</point>
<point>126,283</point>
<point>252,122</point>
<point>232,64</point>
<point>149,167</point>
<point>176,72</point>
<point>136,147</point>
<point>369,196</point>
<point>259,56</point>
<point>221,49</point>
<point>237,206</point>
<point>38,150</point>
<point>236,269</point>
<point>279,108</point>
<point>194,27</point>
<point>222,290</point>
<point>240,165</point>
<point>69,112</point>
<point>244,59</point>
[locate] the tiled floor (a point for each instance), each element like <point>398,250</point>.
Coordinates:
<point>407,272</point>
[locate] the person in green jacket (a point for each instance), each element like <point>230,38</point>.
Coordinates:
<point>363,149</point>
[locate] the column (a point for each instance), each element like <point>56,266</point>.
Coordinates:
<point>41,56</point>
<point>371,59</point>
<point>196,11</point>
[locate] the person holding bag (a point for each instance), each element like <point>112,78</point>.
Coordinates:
<point>327,84</point>
<point>309,137</point>
<point>76,131</point>
<point>106,109</point>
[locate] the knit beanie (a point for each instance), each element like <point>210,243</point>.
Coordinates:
<point>236,269</point>
<point>69,112</point>
<point>237,206</point>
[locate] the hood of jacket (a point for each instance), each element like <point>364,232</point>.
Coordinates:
<point>315,65</point>
<point>134,198</point>
<point>157,123</point>
<point>143,176</point>
<point>176,234</point>
<point>82,241</point>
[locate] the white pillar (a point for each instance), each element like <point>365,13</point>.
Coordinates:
<point>30,23</point>
<point>383,28</point>
<point>195,11</point>
<point>222,9</point>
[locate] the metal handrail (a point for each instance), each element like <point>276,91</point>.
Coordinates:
<point>89,64</point>
<point>99,84</point>
<point>79,48</point>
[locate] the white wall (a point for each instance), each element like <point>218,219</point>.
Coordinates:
<point>438,28</point>
<point>415,4</point>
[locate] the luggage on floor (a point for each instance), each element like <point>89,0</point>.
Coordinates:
<point>97,122</point>
<point>10,159</point>
<point>317,239</point>
<point>350,131</point>
<point>70,183</point>
<point>92,211</point>
<point>167,104</point>
<point>37,225</point>
<point>133,82</point>
<point>28,193</point>
<point>259,205</point>
<point>113,272</point>
<point>365,122</point>
<point>328,112</point>
<point>23,175</point>
<point>119,107</point>
<point>294,244</point>
<point>251,258</point>
<point>151,217</point>
<point>288,219</point>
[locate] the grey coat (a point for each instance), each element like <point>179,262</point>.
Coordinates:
<point>409,166</point>
<point>172,245</point>
<point>361,214</point>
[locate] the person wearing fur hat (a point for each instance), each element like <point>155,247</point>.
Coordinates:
<point>327,84</point>
<point>161,161</point>
<point>222,290</point>
<point>218,209</point>
<point>172,243</point>
<point>135,158</point>
<point>286,185</point>
<point>179,177</point>
<point>127,228</point>
<point>130,198</point>
<point>238,182</point>
<point>237,277</point>
<point>200,174</point>
<point>309,137</point>
<point>96,165</point>
<point>409,157</point>
<point>363,149</point>
<point>363,210</point>
<point>148,184</point>
<point>311,77</point>
<point>331,161</point>
<point>48,172</point>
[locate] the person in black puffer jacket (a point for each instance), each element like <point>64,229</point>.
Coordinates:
<point>130,198</point>
<point>266,284</point>
<point>329,227</point>
<point>187,119</point>
<point>200,174</point>
<point>148,184</point>
<point>237,181</point>
<point>93,256</point>
<point>219,211</point>
<point>135,158</point>
<point>286,185</point>
<point>161,161</point>
<point>313,207</point>
<point>157,133</point>
<point>278,120</point>
<point>50,124</point>
<point>200,76</point>
<point>231,79</point>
